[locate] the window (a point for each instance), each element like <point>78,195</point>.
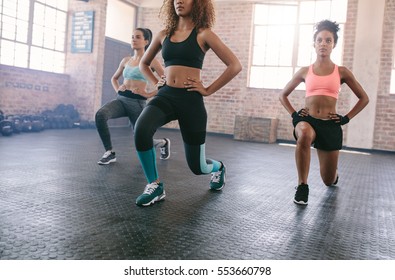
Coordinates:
<point>283,39</point>
<point>33,34</point>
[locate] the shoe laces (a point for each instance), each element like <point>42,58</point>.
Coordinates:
<point>150,188</point>
<point>163,150</point>
<point>107,154</point>
<point>216,176</point>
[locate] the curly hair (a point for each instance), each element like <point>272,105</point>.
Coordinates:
<point>328,25</point>
<point>203,15</point>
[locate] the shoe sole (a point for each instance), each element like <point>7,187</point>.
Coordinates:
<point>155,199</point>
<point>108,162</point>
<point>168,143</point>
<point>301,202</point>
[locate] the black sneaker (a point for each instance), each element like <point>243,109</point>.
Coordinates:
<point>107,158</point>
<point>302,194</point>
<point>165,150</point>
<point>336,181</point>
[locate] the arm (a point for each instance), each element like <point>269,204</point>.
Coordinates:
<point>155,64</point>
<point>118,74</point>
<point>233,65</point>
<point>149,56</point>
<point>290,87</point>
<point>363,99</point>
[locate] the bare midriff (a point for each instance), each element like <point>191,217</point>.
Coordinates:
<point>176,75</point>
<point>320,106</point>
<point>132,84</point>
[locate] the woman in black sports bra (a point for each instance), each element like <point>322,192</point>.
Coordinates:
<point>184,42</point>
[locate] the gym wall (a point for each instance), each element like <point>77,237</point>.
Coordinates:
<point>234,27</point>
<point>83,85</point>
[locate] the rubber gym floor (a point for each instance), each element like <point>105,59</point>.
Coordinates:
<point>58,203</point>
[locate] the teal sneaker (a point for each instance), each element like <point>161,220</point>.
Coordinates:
<point>152,193</point>
<point>217,181</point>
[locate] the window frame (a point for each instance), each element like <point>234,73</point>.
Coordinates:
<point>294,63</point>
<point>24,50</point>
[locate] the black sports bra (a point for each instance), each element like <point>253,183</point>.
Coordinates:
<point>185,53</point>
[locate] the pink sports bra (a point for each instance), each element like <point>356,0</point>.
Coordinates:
<point>328,85</point>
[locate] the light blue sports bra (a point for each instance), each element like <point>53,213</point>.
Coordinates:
<point>133,73</point>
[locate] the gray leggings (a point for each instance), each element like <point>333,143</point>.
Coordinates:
<point>117,108</point>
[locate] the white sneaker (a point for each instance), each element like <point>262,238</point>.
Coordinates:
<point>107,158</point>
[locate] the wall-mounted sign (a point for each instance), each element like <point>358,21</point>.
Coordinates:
<point>82,32</point>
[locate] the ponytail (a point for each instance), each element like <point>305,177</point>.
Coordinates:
<point>147,33</point>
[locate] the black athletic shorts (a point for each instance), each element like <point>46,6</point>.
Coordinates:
<point>329,135</point>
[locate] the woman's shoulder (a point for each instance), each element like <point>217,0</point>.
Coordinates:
<point>303,70</point>
<point>343,70</point>
<point>125,60</point>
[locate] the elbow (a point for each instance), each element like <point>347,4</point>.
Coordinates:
<point>235,67</point>
<point>281,98</point>
<point>238,67</point>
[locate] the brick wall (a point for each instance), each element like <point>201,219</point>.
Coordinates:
<point>25,91</point>
<point>83,84</point>
<point>385,118</point>
<point>234,27</point>
<point>86,69</point>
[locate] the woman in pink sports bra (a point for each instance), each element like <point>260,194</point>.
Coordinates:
<point>318,122</point>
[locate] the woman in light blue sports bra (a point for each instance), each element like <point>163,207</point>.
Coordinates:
<point>131,96</point>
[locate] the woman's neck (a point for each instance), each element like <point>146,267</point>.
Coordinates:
<point>185,23</point>
<point>138,54</point>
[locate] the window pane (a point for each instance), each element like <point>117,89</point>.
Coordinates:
<point>7,52</point>
<point>306,51</point>
<point>21,31</point>
<point>272,45</point>
<point>21,55</point>
<point>275,14</point>
<point>49,38</point>
<point>38,37</point>
<point>23,9</point>
<point>9,7</point>
<point>9,28</point>
<point>61,21</point>
<point>339,10</point>
<point>307,12</point>
<point>270,77</point>
<point>59,44</point>
<point>322,10</point>
<point>63,5</point>
<point>50,17</point>
<point>35,58</point>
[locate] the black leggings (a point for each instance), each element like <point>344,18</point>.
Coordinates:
<point>188,108</point>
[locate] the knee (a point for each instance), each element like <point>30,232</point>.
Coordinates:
<point>305,138</point>
<point>195,171</point>
<point>194,166</point>
<point>100,116</point>
<point>142,137</point>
